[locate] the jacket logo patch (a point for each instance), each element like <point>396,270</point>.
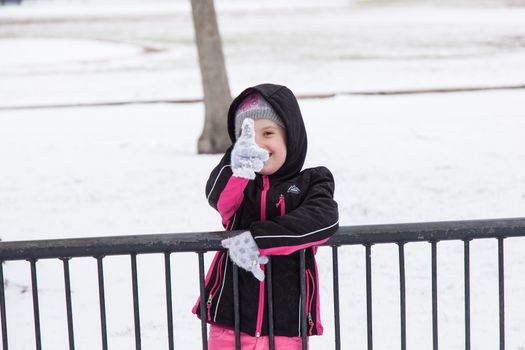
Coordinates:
<point>293,189</point>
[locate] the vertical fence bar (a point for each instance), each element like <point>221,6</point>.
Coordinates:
<point>434,296</point>
<point>337,323</point>
<point>269,292</point>
<point>202,304</point>
<point>466,256</point>
<point>169,302</point>
<point>3,313</point>
<point>236,308</point>
<point>36,309</point>
<point>501,260</point>
<point>368,257</point>
<point>102,303</point>
<point>136,310</point>
<point>402,295</point>
<point>69,307</point>
<point>302,280</point>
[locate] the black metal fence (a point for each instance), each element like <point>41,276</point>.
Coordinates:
<point>400,234</point>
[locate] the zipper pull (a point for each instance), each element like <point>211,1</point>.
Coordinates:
<point>281,200</point>
<point>310,323</point>
<point>281,204</point>
<point>208,306</point>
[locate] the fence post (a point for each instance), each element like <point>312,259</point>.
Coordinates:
<point>36,308</point>
<point>402,295</point>
<point>204,327</point>
<point>69,307</point>
<point>102,303</point>
<point>236,307</point>
<point>169,303</point>
<point>337,323</point>
<point>434,296</point>
<point>466,257</point>
<point>302,281</point>
<point>501,271</point>
<point>3,313</point>
<point>368,257</point>
<point>269,292</point>
<point>136,310</point>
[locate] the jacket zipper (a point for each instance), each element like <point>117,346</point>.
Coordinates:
<point>310,293</point>
<point>318,325</point>
<point>260,311</point>
<point>214,287</point>
<point>266,186</point>
<point>281,204</point>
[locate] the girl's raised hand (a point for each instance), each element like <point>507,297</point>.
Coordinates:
<point>247,158</point>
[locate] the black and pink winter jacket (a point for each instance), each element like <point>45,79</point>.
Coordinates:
<point>285,212</point>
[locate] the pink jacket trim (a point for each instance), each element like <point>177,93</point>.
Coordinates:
<point>289,249</point>
<point>318,323</point>
<point>231,198</point>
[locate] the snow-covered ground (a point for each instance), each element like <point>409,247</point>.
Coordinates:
<point>124,169</point>
<point>312,47</point>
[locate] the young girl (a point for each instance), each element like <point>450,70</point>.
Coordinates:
<point>259,187</point>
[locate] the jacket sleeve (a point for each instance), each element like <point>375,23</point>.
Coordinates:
<point>225,192</point>
<point>312,223</point>
<point>218,179</point>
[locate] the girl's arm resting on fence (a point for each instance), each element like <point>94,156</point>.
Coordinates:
<point>310,224</point>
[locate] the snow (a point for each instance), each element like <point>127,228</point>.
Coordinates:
<point>133,169</point>
<point>343,48</point>
<point>58,51</point>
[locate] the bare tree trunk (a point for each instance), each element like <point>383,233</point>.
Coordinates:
<point>217,96</point>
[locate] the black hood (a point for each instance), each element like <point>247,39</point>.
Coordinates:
<point>285,105</point>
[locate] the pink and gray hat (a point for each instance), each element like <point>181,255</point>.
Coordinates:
<point>255,107</point>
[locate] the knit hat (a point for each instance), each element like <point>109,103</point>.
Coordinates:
<point>254,106</point>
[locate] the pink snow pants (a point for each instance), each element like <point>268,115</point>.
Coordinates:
<point>222,338</point>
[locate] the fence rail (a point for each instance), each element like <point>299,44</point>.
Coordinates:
<point>201,242</point>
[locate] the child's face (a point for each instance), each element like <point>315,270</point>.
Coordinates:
<point>271,137</point>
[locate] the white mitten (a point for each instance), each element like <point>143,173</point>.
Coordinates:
<point>244,252</point>
<point>247,158</point>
